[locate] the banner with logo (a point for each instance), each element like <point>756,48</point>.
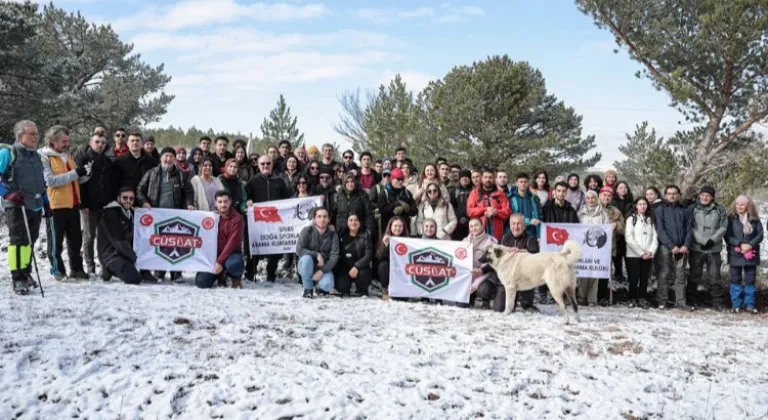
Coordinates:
<point>431,269</point>
<point>595,240</point>
<point>175,240</point>
<point>274,226</point>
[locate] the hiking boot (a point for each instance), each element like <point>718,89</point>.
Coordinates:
<point>685,308</point>
<point>221,280</point>
<point>57,276</point>
<point>321,292</point>
<point>271,279</point>
<point>384,295</point>
<point>175,275</point>
<point>307,294</point>
<point>662,307</point>
<point>237,283</point>
<point>20,287</point>
<point>736,310</point>
<point>79,275</point>
<point>106,275</point>
<point>147,277</point>
<point>753,311</point>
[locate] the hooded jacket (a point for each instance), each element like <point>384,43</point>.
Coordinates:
<point>97,191</point>
<point>390,199</point>
<point>528,205</point>
<point>61,178</point>
<point>183,195</point>
<point>313,243</point>
<point>194,169</point>
<point>709,223</point>
<point>115,235</point>
<point>442,214</point>
<point>229,239</point>
<point>641,236</point>
<point>480,201</point>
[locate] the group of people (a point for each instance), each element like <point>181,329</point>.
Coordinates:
<point>364,206</point>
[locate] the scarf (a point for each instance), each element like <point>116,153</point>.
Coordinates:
<point>478,239</point>
<point>744,218</point>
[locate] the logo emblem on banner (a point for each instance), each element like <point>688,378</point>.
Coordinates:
<point>266,214</point>
<point>596,237</point>
<point>175,240</point>
<point>430,269</point>
<point>556,235</point>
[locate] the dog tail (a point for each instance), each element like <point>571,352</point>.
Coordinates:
<point>571,251</point>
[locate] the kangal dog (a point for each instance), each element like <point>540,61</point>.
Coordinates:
<point>523,271</point>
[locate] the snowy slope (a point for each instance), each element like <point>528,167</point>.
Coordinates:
<point>105,351</point>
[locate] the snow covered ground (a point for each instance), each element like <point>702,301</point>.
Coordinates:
<point>105,351</point>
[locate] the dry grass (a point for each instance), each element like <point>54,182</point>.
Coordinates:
<point>621,347</point>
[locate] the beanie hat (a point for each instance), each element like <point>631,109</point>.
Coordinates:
<point>606,189</point>
<point>708,189</point>
<point>313,149</point>
<point>465,173</point>
<point>397,174</point>
<point>167,150</point>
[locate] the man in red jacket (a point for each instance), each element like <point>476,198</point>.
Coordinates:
<point>229,251</point>
<point>489,203</point>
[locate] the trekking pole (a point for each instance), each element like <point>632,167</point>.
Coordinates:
<point>32,249</point>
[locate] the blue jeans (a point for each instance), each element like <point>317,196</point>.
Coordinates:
<point>749,290</point>
<point>233,268</point>
<point>306,269</point>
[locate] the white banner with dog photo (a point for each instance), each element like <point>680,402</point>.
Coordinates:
<point>595,240</point>
<point>175,240</point>
<point>430,269</point>
<point>274,226</point>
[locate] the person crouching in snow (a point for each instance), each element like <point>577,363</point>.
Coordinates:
<point>743,236</point>
<point>115,239</point>
<point>229,248</point>
<point>318,252</point>
<point>483,286</point>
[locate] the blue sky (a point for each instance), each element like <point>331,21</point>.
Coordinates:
<point>230,59</point>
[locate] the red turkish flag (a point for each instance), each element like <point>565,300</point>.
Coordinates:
<point>266,214</point>
<point>556,236</point>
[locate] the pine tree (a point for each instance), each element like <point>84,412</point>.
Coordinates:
<point>648,162</point>
<point>280,125</point>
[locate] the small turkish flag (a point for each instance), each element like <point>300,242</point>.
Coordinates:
<point>556,236</point>
<point>266,214</point>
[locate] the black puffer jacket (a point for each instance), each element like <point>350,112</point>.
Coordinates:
<point>552,213</point>
<point>390,199</point>
<point>355,252</point>
<point>354,202</point>
<point>181,188</point>
<point>127,171</point>
<point>115,235</point>
<point>261,189</point>
<point>98,190</point>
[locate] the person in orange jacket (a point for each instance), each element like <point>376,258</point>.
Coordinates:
<point>489,203</point>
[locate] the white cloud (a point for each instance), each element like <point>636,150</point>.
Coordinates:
<point>446,13</point>
<point>192,13</point>
<point>414,80</point>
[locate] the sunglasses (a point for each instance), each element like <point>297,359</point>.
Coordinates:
<point>120,135</point>
<point>127,198</point>
<point>313,168</point>
<point>347,157</point>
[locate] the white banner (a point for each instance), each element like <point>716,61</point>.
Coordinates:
<point>175,240</point>
<point>274,226</point>
<point>595,240</point>
<point>432,269</point>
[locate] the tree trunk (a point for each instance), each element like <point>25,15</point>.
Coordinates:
<point>691,178</point>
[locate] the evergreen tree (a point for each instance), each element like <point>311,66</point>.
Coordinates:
<point>280,125</point>
<point>648,162</point>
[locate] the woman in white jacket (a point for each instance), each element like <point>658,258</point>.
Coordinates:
<point>591,213</point>
<point>440,210</point>
<point>206,186</point>
<point>642,242</point>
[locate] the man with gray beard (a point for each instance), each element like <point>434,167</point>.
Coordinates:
<point>165,187</point>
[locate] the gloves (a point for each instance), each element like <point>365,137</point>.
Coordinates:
<point>750,255</point>
<point>16,197</point>
<point>84,170</point>
<point>406,207</point>
<point>398,210</point>
<point>710,243</point>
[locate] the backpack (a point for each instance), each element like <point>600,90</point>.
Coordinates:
<point>8,174</point>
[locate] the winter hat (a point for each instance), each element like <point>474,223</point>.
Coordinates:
<point>150,139</point>
<point>177,149</point>
<point>465,173</point>
<point>312,149</point>
<point>606,189</point>
<point>708,189</point>
<point>167,150</point>
<point>397,174</point>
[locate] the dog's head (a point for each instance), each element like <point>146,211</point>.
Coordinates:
<point>493,254</point>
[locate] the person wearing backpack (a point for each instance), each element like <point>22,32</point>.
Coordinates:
<point>22,190</point>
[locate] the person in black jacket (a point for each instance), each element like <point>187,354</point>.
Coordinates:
<point>115,244</point>
<point>94,194</point>
<point>396,200</point>
<point>519,240</point>
<point>355,255</point>
<point>459,199</point>
<point>353,200</point>
<point>128,169</point>
<point>263,187</point>
<point>674,225</point>
<point>327,190</point>
<point>556,210</point>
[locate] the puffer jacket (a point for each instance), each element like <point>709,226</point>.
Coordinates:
<point>641,236</point>
<point>354,202</point>
<point>115,235</point>
<point>149,188</point>
<point>312,243</point>
<point>734,237</point>
<point>597,216</point>
<point>443,215</point>
<point>709,223</point>
<point>290,179</point>
<point>355,252</point>
<point>390,199</point>
<point>674,225</point>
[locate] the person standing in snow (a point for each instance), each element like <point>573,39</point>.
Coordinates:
<point>229,248</point>
<point>674,226</point>
<point>115,239</point>
<point>710,222</point>
<point>318,251</point>
<point>23,190</point>
<point>63,177</point>
<point>94,194</point>
<point>743,236</point>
